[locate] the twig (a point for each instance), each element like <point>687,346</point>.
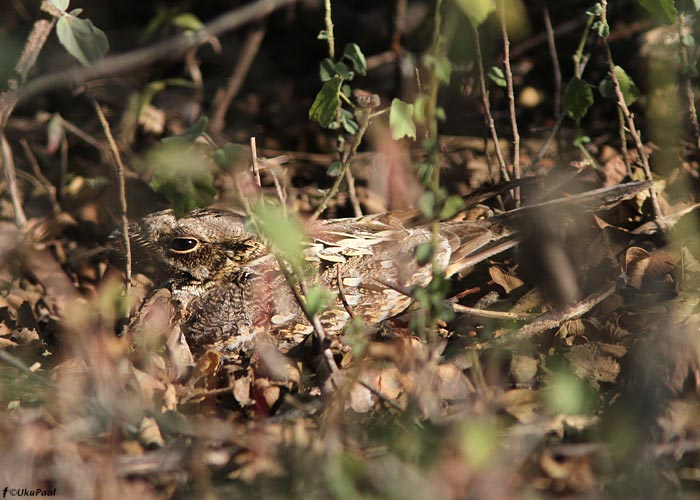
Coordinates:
<point>121,190</point>
<point>628,116</point>
<point>511,102</point>
<point>487,106</point>
<point>352,191</point>
<point>363,120</point>
<point>328,19</point>
<point>298,296</point>
<point>552,319</point>
<point>8,165</point>
<point>254,155</point>
<point>37,38</point>
<point>222,101</point>
<point>45,183</point>
<point>690,94</point>
<point>399,25</point>
<point>547,143</point>
<point>555,60</point>
<point>18,364</point>
<point>485,313</point>
<point>167,49</point>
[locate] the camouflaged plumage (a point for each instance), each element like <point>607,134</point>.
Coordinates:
<point>228,286</point>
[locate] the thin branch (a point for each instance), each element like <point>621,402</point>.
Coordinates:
<point>328,19</point>
<point>8,164</point>
<point>690,94</point>
<point>46,184</point>
<point>399,25</point>
<point>553,319</point>
<point>511,102</point>
<point>167,49</point>
<point>223,99</point>
<point>628,116</point>
<point>254,159</point>
<point>363,120</point>
<point>555,60</point>
<point>487,106</point>
<point>10,97</point>
<point>485,313</point>
<point>121,190</point>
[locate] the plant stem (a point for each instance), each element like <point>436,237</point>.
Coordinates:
<point>511,103</point>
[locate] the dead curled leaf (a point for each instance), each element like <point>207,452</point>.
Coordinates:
<point>595,361</point>
<point>508,281</point>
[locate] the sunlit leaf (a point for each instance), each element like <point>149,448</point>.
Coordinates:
<point>496,75</point>
<point>401,120</point>
<point>317,298</point>
<point>629,89</point>
<point>182,175</point>
<point>61,5</point>
<point>285,234</point>
<point>82,39</point>
<point>187,21</point>
<point>663,11</point>
<point>476,10</point>
<point>354,54</point>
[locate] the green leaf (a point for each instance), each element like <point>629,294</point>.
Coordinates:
<point>603,30</point>
<point>335,168</point>
<point>190,135</point>
<point>452,205</point>
<point>327,69</point>
<point>317,298</point>
<point>182,175</point>
<point>323,35</point>
<point>578,98</point>
<point>231,155</point>
<point>325,106</point>
<point>496,75</point>
<point>441,65</point>
<point>82,39</point>
<point>285,234</point>
<point>476,10</point>
<point>596,10</point>
<point>61,5</point>
<point>401,120</point>
<point>424,252</point>
<point>663,11</point>
<point>187,21</point>
<point>426,204</point>
<point>353,53</point>
<point>630,91</point>
<point>347,120</point>
<point>688,41</point>
<point>567,394</point>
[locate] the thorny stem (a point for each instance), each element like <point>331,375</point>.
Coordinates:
<point>628,116</point>
<point>121,189</point>
<point>511,102</point>
<point>487,106</point>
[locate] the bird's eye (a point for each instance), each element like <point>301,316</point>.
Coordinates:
<point>183,245</point>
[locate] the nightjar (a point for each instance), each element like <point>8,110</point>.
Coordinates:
<point>228,287</point>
